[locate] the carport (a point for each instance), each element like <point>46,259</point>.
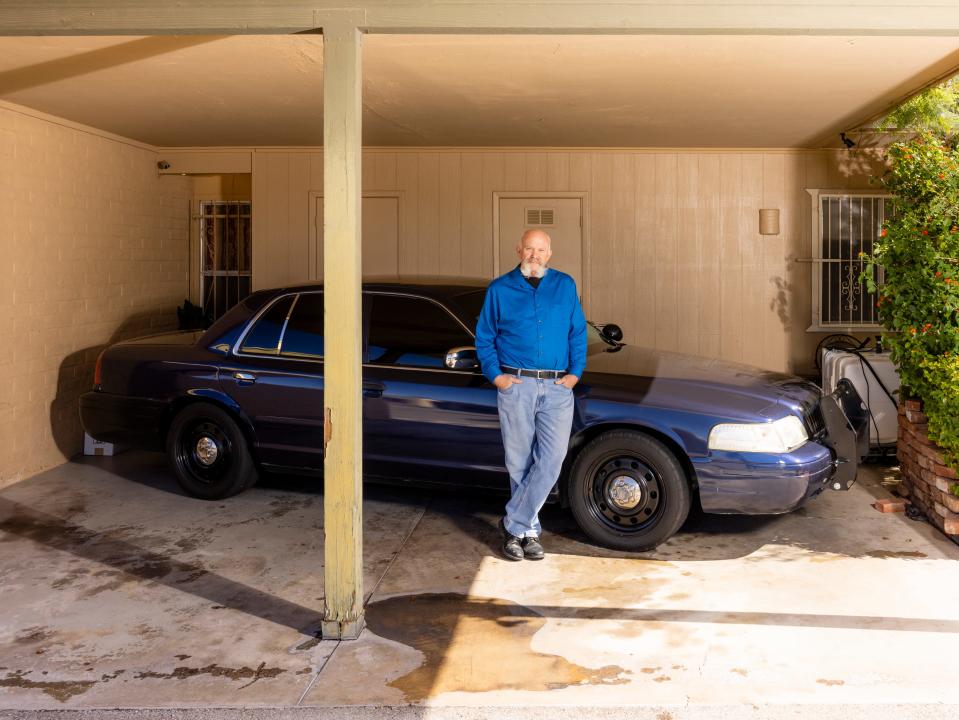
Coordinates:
<point>687,174</point>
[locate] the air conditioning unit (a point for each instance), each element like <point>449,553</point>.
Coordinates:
<point>875,378</point>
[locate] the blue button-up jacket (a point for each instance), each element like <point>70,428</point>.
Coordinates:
<point>540,328</point>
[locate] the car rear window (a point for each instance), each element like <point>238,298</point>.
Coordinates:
<point>264,338</point>
<point>304,330</point>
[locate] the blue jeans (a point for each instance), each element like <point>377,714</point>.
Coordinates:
<point>535,417</point>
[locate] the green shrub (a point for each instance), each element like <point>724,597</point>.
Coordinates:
<point>918,302</point>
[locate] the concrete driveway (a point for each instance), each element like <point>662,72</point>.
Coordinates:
<point>120,592</point>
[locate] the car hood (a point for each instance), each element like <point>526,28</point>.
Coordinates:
<point>696,384</point>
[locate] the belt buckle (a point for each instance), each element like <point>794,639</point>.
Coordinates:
<point>541,374</point>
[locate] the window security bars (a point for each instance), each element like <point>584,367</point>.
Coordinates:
<point>225,255</point>
<point>845,224</point>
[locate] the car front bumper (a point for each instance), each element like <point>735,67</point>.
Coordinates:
<point>760,483</point>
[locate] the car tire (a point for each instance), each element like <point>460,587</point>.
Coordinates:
<point>208,453</point>
<point>628,491</point>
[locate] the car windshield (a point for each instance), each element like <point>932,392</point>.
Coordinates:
<point>471,304</point>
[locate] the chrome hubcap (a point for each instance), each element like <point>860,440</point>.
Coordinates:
<point>625,492</point>
<point>207,450</point>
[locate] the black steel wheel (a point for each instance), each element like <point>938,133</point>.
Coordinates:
<point>208,453</point>
<point>628,491</point>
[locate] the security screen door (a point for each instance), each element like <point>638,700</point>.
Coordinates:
<point>560,217</point>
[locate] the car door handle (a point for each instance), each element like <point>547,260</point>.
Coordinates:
<point>372,390</point>
<point>245,377</point>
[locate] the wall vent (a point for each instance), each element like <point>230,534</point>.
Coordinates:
<point>539,216</point>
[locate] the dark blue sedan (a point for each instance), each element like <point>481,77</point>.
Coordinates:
<point>653,432</point>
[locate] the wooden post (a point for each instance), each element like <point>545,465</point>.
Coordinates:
<point>343,371</point>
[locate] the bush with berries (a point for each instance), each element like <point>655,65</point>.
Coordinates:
<point>919,300</point>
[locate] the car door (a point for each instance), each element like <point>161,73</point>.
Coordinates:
<point>276,377</point>
<point>421,418</point>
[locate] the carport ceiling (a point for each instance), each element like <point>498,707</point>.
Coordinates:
<point>478,90</point>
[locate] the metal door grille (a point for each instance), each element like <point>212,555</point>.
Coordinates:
<point>850,225</point>
<point>226,254</point>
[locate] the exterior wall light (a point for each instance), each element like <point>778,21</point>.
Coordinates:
<point>769,221</point>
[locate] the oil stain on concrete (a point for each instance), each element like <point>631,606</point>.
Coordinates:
<point>132,563</point>
<point>61,690</point>
<point>184,672</point>
<point>899,554</point>
<point>824,681</point>
<point>465,641</point>
<point>35,634</point>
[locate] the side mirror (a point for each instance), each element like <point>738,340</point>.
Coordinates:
<point>612,332</point>
<point>462,358</point>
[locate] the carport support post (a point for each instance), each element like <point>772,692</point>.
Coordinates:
<point>343,372</point>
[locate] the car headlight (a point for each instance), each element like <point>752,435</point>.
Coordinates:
<point>781,436</point>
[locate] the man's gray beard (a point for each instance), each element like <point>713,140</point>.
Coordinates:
<point>532,270</point>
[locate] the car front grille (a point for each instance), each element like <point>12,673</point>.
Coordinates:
<point>815,423</point>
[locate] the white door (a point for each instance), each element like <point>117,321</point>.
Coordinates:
<point>380,227</point>
<point>560,217</point>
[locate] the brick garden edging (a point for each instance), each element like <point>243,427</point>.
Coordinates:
<point>926,480</point>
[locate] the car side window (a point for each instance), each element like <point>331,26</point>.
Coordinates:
<point>264,337</point>
<point>304,330</point>
<point>412,332</point>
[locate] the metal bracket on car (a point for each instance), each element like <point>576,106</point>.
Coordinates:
<point>847,431</point>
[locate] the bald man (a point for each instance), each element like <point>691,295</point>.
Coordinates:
<point>531,343</point>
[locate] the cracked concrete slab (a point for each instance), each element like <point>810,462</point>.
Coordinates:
<point>823,605</point>
<point>120,592</point>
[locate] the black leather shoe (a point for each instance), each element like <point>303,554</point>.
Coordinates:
<point>512,549</point>
<point>532,548</point>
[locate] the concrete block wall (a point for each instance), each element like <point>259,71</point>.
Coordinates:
<point>93,248</point>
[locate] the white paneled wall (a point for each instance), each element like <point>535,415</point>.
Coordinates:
<point>673,239</point>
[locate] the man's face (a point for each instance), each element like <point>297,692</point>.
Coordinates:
<point>534,254</point>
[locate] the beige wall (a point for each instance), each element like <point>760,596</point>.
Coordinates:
<point>676,257</point>
<point>828,169</point>
<point>94,247</point>
<point>232,186</point>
